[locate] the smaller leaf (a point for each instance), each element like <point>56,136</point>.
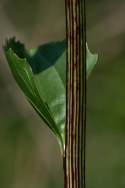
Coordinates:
<point>91,61</point>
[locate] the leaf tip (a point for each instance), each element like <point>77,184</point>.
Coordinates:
<point>16,46</point>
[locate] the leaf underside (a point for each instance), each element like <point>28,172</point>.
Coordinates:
<point>41,74</point>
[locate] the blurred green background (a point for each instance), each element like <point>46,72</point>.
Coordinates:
<point>29,154</point>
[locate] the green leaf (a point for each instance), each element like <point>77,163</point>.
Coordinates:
<point>91,61</point>
<point>41,74</point>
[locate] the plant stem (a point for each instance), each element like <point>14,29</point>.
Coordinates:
<point>74,157</point>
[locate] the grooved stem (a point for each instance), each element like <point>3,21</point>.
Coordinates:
<point>74,157</point>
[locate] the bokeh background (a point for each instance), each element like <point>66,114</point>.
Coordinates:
<point>29,154</point>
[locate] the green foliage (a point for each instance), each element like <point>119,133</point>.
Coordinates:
<point>41,74</point>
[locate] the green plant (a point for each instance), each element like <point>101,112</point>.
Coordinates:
<point>41,74</point>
